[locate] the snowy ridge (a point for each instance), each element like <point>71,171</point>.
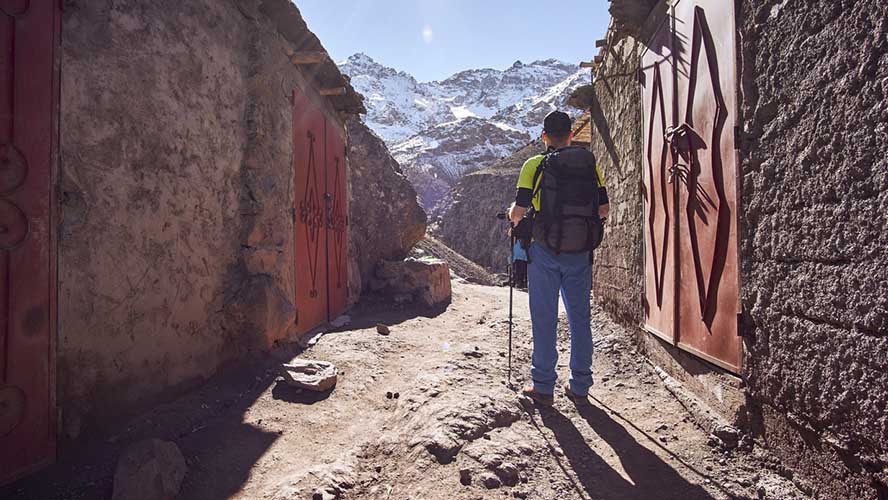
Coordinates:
<point>441,130</point>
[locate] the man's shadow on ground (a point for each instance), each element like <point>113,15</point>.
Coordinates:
<point>649,476</point>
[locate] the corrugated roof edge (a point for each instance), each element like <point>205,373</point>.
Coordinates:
<point>289,23</point>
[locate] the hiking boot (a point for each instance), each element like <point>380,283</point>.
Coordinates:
<point>575,398</point>
<point>538,397</point>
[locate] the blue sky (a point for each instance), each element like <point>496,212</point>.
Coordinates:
<point>432,39</point>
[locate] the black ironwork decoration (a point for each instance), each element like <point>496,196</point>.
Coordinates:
<point>311,215</point>
<point>658,253</point>
<point>709,258</point>
<point>337,223</point>
<point>15,8</point>
<point>13,168</point>
<point>14,225</point>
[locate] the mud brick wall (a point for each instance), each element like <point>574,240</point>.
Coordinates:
<point>176,192</point>
<point>618,272</point>
<point>814,222</point>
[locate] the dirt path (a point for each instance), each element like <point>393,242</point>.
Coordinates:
<point>424,413</point>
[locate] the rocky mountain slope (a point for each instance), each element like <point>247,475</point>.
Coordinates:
<point>469,226</point>
<point>441,130</point>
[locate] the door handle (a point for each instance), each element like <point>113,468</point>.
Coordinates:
<point>682,140</point>
<point>678,133</point>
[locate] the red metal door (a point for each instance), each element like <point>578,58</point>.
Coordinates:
<point>337,223</point>
<point>310,215</point>
<point>28,37</point>
<point>706,95</point>
<point>702,164</point>
<point>659,199</point>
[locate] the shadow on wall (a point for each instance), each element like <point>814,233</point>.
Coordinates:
<point>633,20</point>
<point>604,131</point>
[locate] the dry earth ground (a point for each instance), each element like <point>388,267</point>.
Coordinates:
<point>425,413</point>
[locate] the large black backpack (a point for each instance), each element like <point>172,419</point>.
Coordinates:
<point>567,220</point>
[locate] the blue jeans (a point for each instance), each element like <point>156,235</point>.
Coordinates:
<point>548,273</point>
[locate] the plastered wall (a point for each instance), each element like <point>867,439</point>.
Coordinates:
<point>175,248</point>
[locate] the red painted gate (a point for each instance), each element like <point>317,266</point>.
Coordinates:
<point>690,168</point>
<point>321,239</point>
<point>28,38</point>
<point>337,223</point>
<point>311,234</point>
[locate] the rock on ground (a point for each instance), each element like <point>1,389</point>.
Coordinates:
<point>460,267</point>
<point>149,470</point>
<point>317,376</point>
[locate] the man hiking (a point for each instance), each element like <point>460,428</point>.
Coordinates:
<point>563,193</point>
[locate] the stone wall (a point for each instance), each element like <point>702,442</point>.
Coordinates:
<point>175,246</point>
<point>814,229</point>
<point>814,224</point>
<point>618,271</point>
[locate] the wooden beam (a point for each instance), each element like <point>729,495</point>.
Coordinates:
<point>587,64</point>
<point>308,57</point>
<point>333,91</point>
<point>600,43</point>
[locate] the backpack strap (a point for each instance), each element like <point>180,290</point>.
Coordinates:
<point>559,216</point>
<point>541,168</point>
<point>536,177</point>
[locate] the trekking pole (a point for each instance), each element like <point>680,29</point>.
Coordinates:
<point>504,216</point>
<point>511,289</point>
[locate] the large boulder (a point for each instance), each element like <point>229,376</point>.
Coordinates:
<point>424,281</point>
<point>384,215</point>
<point>149,470</point>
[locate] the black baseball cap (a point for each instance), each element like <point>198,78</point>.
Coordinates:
<point>557,122</point>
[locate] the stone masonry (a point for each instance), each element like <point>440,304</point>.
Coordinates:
<point>814,233</point>
<point>814,228</point>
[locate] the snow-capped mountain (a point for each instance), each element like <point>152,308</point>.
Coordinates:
<point>458,146</point>
<point>441,130</point>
